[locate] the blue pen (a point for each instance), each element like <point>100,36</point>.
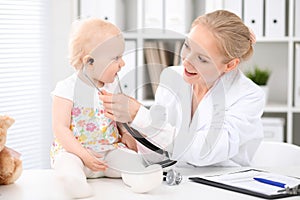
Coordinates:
<point>269,182</point>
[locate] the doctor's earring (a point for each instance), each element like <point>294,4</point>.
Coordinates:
<point>173,177</point>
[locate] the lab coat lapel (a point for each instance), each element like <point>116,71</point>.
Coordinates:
<point>209,117</point>
<point>182,137</point>
<point>213,121</point>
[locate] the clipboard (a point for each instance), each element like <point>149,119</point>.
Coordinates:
<point>243,182</point>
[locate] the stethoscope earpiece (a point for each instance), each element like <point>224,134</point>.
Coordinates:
<point>91,61</point>
<point>173,177</point>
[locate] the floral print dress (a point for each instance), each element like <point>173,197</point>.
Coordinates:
<point>89,125</point>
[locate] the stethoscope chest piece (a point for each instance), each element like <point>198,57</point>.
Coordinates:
<point>173,177</point>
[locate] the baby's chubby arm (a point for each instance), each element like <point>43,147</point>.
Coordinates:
<point>61,119</point>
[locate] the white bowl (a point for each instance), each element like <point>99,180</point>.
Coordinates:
<point>144,181</point>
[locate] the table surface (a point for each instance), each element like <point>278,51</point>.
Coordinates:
<point>41,184</point>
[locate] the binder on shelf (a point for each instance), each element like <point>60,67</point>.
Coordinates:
<point>153,63</point>
<point>87,8</point>
<point>140,14</point>
<point>212,5</point>
<point>112,11</point>
<point>254,182</point>
<point>234,6</point>
<point>163,54</point>
<point>297,18</point>
<point>127,74</point>
<point>178,15</point>
<point>131,13</point>
<point>297,75</point>
<point>275,18</point>
<point>254,15</point>
<point>153,14</point>
<point>177,49</point>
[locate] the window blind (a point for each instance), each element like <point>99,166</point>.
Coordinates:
<point>25,78</point>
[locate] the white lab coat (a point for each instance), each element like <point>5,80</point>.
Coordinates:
<point>226,128</point>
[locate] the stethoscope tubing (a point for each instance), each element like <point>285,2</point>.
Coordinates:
<point>136,134</point>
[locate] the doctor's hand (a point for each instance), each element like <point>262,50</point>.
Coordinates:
<point>119,107</point>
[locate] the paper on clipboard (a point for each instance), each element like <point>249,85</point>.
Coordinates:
<point>242,181</point>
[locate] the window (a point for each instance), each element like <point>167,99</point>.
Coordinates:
<point>25,78</point>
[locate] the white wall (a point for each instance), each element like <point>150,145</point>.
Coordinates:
<point>63,14</point>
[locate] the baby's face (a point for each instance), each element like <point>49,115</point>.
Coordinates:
<point>108,59</point>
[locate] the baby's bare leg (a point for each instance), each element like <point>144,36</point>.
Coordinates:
<point>69,169</point>
<point>122,160</point>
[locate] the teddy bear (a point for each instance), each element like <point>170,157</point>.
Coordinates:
<point>10,163</point>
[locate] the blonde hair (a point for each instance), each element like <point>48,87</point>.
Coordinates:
<point>232,35</point>
<point>85,35</point>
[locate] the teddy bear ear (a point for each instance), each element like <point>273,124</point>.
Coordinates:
<point>9,121</point>
<point>6,121</point>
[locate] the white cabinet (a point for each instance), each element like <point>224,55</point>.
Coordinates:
<point>273,128</point>
<point>276,52</point>
<point>127,75</point>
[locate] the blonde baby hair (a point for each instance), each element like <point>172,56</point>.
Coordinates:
<point>85,35</point>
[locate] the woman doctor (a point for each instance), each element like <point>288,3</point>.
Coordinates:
<point>206,112</point>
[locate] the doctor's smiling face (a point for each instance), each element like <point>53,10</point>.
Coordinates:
<point>216,44</point>
<point>201,57</point>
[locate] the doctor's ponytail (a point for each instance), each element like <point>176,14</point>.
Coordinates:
<point>235,39</point>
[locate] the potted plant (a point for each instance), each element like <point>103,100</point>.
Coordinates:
<point>260,77</point>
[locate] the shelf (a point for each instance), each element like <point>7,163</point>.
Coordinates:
<point>275,108</point>
<point>275,53</point>
<point>296,109</point>
<point>271,39</point>
<point>163,35</point>
<point>297,39</point>
<point>130,35</point>
<point>154,34</point>
<point>147,103</point>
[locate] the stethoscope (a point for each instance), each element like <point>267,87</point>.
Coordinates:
<point>172,177</point>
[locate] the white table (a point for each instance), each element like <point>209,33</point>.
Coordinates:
<point>42,184</point>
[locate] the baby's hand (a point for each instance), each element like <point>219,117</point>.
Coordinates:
<point>92,161</point>
<point>96,154</point>
<point>129,141</point>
